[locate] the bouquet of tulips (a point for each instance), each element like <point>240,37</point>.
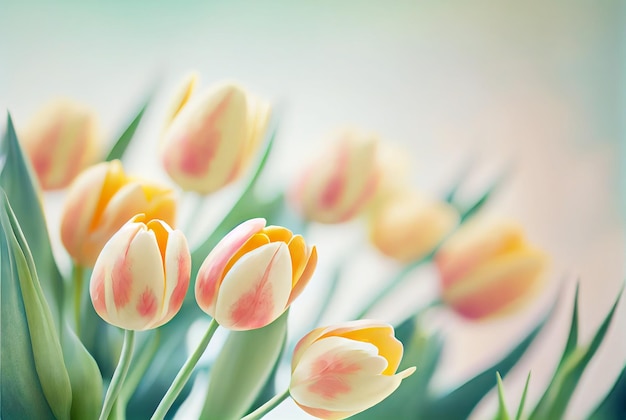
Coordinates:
<point>107,339</point>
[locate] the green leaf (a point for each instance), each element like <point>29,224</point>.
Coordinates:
<point>84,375</point>
<point>22,191</point>
<point>243,366</point>
<point>503,413</point>
<point>572,338</point>
<point>480,202</point>
<point>554,401</point>
<point>459,403</point>
<point>420,350</point>
<point>34,378</point>
<point>520,409</point>
<point>122,143</point>
<point>613,406</point>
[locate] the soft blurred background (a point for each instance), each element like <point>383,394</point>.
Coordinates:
<point>527,88</point>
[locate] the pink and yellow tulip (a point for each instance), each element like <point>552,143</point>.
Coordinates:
<point>61,141</point>
<point>407,226</point>
<point>489,269</point>
<point>342,370</point>
<point>211,139</point>
<point>100,201</point>
<point>339,184</point>
<point>253,274</point>
<point>141,276</point>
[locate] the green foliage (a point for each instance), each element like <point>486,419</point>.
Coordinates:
<point>503,413</point>
<point>614,404</point>
<point>122,143</point>
<point>242,368</point>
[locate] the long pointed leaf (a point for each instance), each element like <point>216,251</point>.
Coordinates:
<point>613,406</point>
<point>122,143</point>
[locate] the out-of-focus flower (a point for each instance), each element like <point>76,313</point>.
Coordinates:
<point>407,226</point>
<point>141,276</point>
<point>101,200</point>
<point>489,268</point>
<point>338,185</point>
<point>253,274</point>
<point>212,138</point>
<point>61,140</point>
<point>342,370</point>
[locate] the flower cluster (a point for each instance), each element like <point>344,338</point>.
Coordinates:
<point>119,231</point>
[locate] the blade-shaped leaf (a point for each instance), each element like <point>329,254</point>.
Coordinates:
<point>480,202</point>
<point>554,401</point>
<point>520,409</point>
<point>122,143</point>
<point>30,345</point>
<point>503,413</point>
<point>243,366</point>
<point>613,406</point>
<point>459,403</point>
<point>21,189</point>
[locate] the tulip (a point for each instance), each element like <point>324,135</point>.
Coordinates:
<point>253,274</point>
<point>61,141</point>
<point>406,226</point>
<point>141,276</point>
<point>211,139</point>
<point>100,201</point>
<point>338,185</point>
<point>342,370</point>
<point>489,269</point>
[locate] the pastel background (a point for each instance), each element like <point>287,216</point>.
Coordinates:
<point>528,88</point>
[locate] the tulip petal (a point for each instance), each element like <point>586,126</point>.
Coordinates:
<point>211,271</point>
<point>177,273</point>
<point>339,374</point>
<point>141,270</point>
<point>255,291</point>
<point>304,343</point>
<point>304,278</point>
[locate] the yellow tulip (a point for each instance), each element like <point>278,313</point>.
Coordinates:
<point>407,226</point>
<point>61,141</point>
<point>212,139</point>
<point>100,201</point>
<point>141,276</point>
<point>338,185</point>
<point>253,274</point>
<point>341,370</point>
<point>488,269</point>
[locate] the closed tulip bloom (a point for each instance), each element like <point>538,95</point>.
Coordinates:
<point>342,370</point>
<point>61,140</point>
<point>338,185</point>
<point>489,269</point>
<point>407,226</point>
<point>253,274</point>
<point>212,138</point>
<point>100,201</point>
<point>141,276</point>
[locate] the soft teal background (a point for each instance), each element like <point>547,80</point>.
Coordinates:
<point>536,86</point>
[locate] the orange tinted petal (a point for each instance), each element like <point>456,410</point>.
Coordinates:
<point>278,234</point>
<point>114,180</point>
<point>383,338</point>
<point>298,251</point>
<point>255,241</point>
<point>305,277</point>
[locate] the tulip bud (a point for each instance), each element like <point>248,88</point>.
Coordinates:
<point>141,276</point>
<point>342,370</point>
<point>406,226</point>
<point>100,201</point>
<point>61,141</point>
<point>212,139</point>
<point>340,182</point>
<point>487,270</point>
<point>253,274</point>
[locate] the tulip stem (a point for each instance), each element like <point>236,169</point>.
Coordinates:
<point>78,278</point>
<point>119,375</point>
<point>392,284</point>
<point>184,374</point>
<point>268,406</point>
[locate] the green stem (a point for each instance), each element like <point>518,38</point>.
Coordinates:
<point>119,375</point>
<point>268,406</point>
<point>391,285</point>
<point>77,280</point>
<point>184,374</point>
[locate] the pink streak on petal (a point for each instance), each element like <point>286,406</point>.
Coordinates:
<point>367,193</point>
<point>97,290</point>
<point>198,151</point>
<point>337,183</point>
<point>178,295</point>
<point>147,304</point>
<point>211,272</point>
<point>254,309</point>
<point>328,372</point>
<point>121,278</point>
